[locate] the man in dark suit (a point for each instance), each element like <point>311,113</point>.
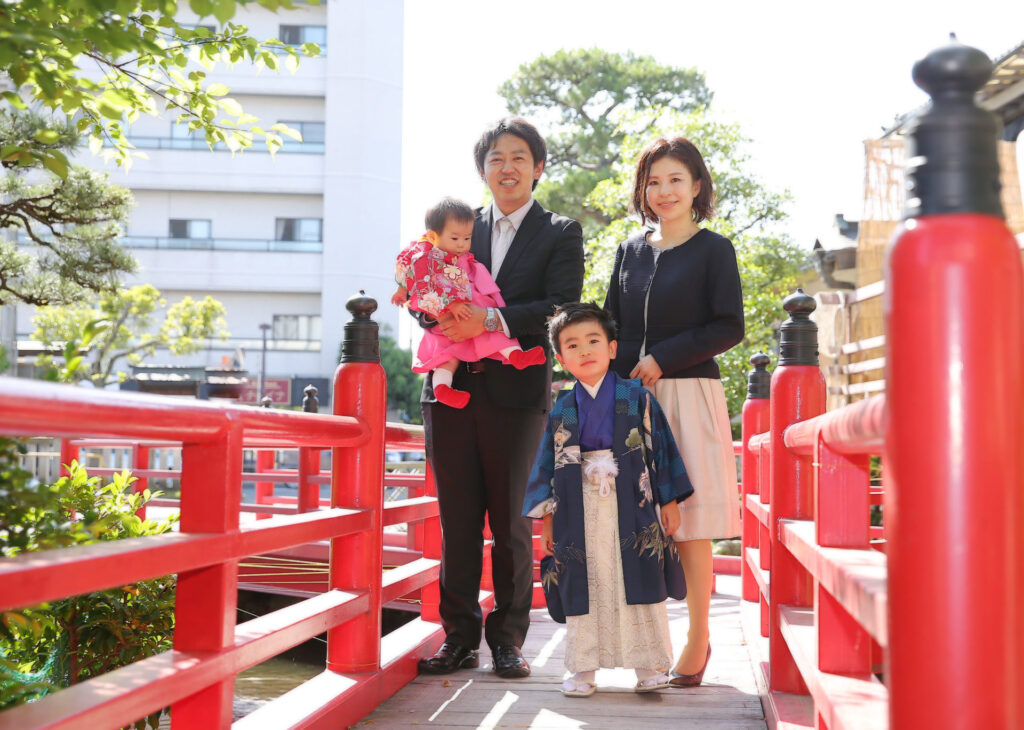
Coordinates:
<point>481,454</point>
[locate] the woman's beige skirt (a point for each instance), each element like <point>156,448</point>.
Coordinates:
<point>614,633</point>
<point>699,419</point>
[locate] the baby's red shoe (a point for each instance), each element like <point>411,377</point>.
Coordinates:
<point>451,397</point>
<point>525,358</point>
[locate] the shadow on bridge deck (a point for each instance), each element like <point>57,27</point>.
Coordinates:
<point>728,700</point>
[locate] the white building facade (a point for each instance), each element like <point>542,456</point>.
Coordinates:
<point>281,240</point>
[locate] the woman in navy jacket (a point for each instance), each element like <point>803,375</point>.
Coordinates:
<point>675,293</point>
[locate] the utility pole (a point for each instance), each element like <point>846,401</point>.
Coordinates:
<point>263,364</point>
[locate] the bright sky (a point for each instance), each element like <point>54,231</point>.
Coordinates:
<point>807,81</point>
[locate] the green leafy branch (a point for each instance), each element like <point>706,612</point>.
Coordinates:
<point>103,63</point>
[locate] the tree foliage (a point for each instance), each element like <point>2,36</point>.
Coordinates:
<point>94,67</point>
<point>103,63</point>
<point>578,97</point>
<point>68,218</point>
<point>95,337</point>
<point>47,647</point>
<point>747,212</point>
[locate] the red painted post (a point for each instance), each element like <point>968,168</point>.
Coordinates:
<point>842,486</point>
<point>309,460</point>
<point>265,459</point>
<point>207,598</point>
<point>414,530</point>
<point>430,594</point>
<point>797,393</point>
<point>68,452</point>
<point>140,460</point>
<point>357,482</point>
<point>764,535</point>
<point>538,549</point>
<point>754,421</point>
<point>954,490</point>
<point>309,490</point>
<point>486,576</point>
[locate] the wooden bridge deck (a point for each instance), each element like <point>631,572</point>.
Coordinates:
<point>478,699</point>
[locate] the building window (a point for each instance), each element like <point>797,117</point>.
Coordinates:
<point>297,327</point>
<point>299,229</point>
<point>183,138</point>
<point>190,228</point>
<point>296,35</point>
<point>312,132</point>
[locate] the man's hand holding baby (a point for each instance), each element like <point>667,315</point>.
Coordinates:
<point>459,330</point>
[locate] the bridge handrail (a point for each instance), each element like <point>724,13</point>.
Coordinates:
<point>858,428</point>
<point>197,676</point>
<point>806,526</point>
<point>28,411</point>
<point>398,436</point>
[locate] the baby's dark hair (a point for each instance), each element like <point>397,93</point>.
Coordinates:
<point>574,313</point>
<point>448,209</point>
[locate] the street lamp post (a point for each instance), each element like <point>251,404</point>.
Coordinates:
<point>263,364</point>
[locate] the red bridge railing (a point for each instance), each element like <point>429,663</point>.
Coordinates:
<point>196,678</point>
<point>928,631</point>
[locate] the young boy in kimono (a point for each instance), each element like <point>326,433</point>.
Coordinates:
<point>606,466</point>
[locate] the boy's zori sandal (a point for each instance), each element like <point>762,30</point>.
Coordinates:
<point>652,684</point>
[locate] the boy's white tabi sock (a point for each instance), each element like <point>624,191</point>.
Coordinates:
<point>583,677</point>
<point>441,377</point>
<point>642,674</point>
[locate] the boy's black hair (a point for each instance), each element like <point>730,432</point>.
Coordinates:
<point>574,313</point>
<point>517,127</point>
<point>447,209</point>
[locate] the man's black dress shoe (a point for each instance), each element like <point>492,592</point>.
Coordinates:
<point>509,662</point>
<point>449,657</point>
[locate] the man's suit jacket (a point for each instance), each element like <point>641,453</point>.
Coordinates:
<point>543,268</point>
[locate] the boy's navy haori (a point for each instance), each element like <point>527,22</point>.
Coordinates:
<point>646,454</point>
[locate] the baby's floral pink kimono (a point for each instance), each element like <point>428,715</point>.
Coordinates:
<point>432,276</point>
<point>436,279</point>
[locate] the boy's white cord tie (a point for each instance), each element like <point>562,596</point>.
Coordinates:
<point>602,470</point>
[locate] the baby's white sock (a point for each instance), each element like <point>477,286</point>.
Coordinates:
<point>441,377</point>
<point>580,677</point>
<point>642,674</point>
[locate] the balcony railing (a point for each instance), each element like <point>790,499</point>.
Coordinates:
<point>199,143</point>
<point>208,244</point>
<point>224,244</point>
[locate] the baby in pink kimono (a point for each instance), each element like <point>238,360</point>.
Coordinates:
<point>438,274</point>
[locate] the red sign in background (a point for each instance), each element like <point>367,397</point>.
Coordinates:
<point>280,389</point>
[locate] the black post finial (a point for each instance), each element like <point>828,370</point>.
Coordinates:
<point>361,342</point>
<point>798,336</point>
<point>267,401</point>
<point>310,403</point>
<point>952,160</point>
<point>759,380</point>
